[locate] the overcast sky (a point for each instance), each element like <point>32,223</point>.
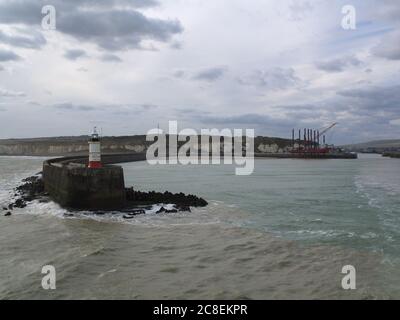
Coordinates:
<point>127,65</point>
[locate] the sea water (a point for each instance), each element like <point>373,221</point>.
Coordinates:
<point>284,232</point>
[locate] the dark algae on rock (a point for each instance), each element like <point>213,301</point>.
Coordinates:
<point>179,199</point>
<point>32,188</point>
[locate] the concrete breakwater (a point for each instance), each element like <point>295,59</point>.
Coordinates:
<point>391,154</point>
<point>72,184</point>
<point>342,155</point>
<point>79,187</point>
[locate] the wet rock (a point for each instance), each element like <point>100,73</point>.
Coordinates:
<point>153,197</point>
<point>31,188</point>
<point>4,209</point>
<point>183,208</point>
<point>8,213</point>
<point>137,211</point>
<point>161,210</point>
<point>164,210</point>
<point>19,203</point>
<point>68,215</point>
<point>28,198</point>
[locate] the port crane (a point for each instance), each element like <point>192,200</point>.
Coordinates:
<point>311,140</point>
<point>325,130</point>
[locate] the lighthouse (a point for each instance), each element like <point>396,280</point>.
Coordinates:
<point>94,151</point>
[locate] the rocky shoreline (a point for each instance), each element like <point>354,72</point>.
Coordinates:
<point>32,188</point>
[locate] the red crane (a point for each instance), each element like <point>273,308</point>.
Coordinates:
<point>325,149</point>
<point>311,142</point>
<point>327,129</point>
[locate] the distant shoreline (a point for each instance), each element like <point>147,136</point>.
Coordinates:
<point>78,146</point>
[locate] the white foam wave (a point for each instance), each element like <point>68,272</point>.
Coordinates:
<point>197,216</point>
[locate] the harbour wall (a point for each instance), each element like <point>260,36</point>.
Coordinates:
<point>309,155</point>
<point>71,184</point>
<point>391,154</point>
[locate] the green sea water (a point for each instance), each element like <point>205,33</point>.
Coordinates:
<point>283,232</point>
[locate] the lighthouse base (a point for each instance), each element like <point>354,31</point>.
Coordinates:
<point>84,188</point>
<point>94,164</point>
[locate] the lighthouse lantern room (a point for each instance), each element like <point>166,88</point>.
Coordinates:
<point>94,151</point>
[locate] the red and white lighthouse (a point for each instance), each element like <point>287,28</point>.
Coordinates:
<point>94,151</point>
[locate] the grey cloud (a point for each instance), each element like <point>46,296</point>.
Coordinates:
<point>375,99</point>
<point>75,54</point>
<point>110,58</point>
<point>355,122</point>
<point>8,93</point>
<point>300,112</point>
<point>298,10</point>
<point>190,113</point>
<point>179,74</point>
<point>22,11</point>
<point>211,74</point>
<point>34,103</point>
<point>112,3</point>
<point>117,29</point>
<point>249,120</point>
<point>353,109</point>
<point>245,119</point>
<point>6,55</point>
<point>293,107</point>
<point>261,123</point>
<point>29,11</point>
<point>87,20</point>
<point>34,40</point>
<point>273,79</point>
<point>1,68</point>
<point>388,9</point>
<point>176,45</point>
<point>82,69</point>
<point>338,65</point>
<point>389,47</point>
<point>85,108</point>
<point>115,108</point>
<point>147,107</point>
<point>73,107</point>
<point>132,109</point>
